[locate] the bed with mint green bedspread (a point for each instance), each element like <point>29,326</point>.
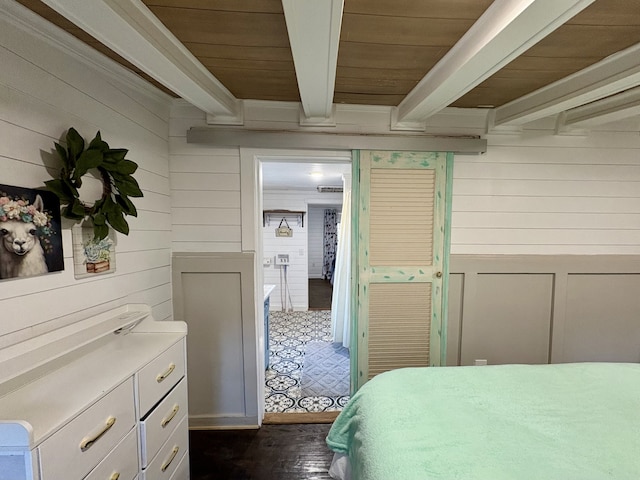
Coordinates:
<point>514,422</point>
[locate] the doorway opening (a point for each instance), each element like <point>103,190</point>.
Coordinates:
<point>322,243</point>
<point>307,374</point>
<point>320,293</point>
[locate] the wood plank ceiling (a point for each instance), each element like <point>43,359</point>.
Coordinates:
<point>385,47</point>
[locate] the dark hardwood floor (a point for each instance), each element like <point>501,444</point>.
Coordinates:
<point>274,452</point>
<point>320,292</point>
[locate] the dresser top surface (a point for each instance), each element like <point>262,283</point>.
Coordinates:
<point>50,401</point>
<point>46,398</point>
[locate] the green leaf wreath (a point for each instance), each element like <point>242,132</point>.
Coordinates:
<point>118,183</point>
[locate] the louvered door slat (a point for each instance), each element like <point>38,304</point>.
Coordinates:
<point>411,192</point>
<point>399,324</point>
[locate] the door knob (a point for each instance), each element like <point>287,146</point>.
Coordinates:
<point>439,274</point>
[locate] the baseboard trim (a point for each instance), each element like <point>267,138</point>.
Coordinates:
<point>292,418</point>
<point>222,423</point>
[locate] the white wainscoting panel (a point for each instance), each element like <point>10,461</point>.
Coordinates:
<point>543,308</point>
<point>603,318</point>
<point>214,294</point>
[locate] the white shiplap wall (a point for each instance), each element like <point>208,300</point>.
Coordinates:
<point>296,273</point>
<point>532,193</point>
<point>205,190</point>
<point>49,82</point>
<point>537,193</point>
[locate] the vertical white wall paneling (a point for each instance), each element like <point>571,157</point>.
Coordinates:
<point>49,82</point>
<point>316,232</point>
<point>296,296</point>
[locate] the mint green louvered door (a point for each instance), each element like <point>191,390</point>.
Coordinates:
<point>402,239</point>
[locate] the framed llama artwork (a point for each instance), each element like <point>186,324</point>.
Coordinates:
<point>30,238</point>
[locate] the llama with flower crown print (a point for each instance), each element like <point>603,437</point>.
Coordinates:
<point>29,238</point>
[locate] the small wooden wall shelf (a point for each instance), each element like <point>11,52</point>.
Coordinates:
<point>276,215</point>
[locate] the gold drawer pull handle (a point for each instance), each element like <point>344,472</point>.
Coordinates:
<point>87,442</point>
<point>166,464</point>
<point>115,476</point>
<point>161,377</point>
<point>168,418</point>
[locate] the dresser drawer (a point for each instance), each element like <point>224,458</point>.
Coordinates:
<point>160,423</point>
<point>80,445</point>
<point>182,470</point>
<point>121,463</point>
<point>159,376</point>
<point>165,463</point>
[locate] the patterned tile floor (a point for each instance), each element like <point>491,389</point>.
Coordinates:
<point>288,335</point>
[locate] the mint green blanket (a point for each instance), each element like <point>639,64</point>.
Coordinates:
<point>513,422</point>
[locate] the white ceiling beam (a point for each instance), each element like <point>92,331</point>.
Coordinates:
<point>609,109</point>
<point>504,31</point>
<point>616,73</point>
<point>130,29</point>
<point>314,35</point>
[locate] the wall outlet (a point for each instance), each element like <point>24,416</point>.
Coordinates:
<point>266,261</point>
<point>480,362</point>
<point>282,259</point>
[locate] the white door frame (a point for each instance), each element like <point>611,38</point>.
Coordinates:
<point>251,160</point>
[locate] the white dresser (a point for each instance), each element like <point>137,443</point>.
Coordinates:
<point>103,399</point>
